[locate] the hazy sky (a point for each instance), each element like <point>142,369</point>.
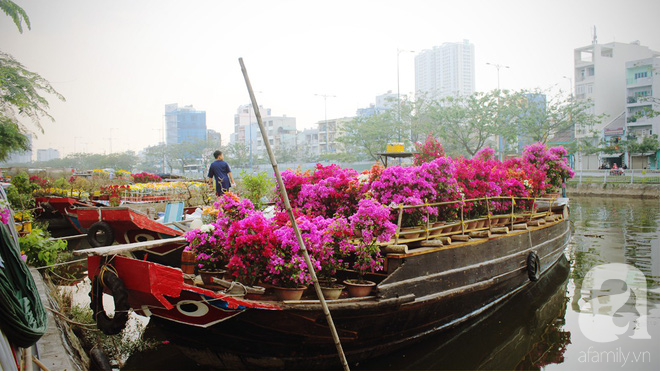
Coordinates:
<point>119,62</point>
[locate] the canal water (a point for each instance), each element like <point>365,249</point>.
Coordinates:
<point>587,313</point>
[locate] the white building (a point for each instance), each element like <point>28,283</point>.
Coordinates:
<point>329,131</point>
<point>308,144</point>
<point>642,97</point>
<point>47,154</point>
<point>282,132</point>
<point>600,75</point>
<point>445,70</point>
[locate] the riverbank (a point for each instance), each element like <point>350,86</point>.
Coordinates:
<point>59,348</point>
<point>614,189</point>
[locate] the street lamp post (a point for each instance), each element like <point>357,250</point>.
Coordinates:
<point>398,89</point>
<point>573,133</point>
<point>250,109</point>
<point>325,114</point>
<point>497,66</point>
<point>500,140</point>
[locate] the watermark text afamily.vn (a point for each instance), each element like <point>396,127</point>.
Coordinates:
<point>617,355</point>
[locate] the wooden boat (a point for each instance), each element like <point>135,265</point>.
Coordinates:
<point>127,225</point>
<point>426,289</point>
<point>64,207</point>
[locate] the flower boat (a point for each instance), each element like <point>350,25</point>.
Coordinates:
<point>470,253</point>
<point>423,291</point>
<point>65,207</point>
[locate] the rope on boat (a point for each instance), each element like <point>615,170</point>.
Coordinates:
<point>58,264</point>
<point>67,319</point>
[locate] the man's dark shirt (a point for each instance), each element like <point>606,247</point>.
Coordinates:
<point>219,170</point>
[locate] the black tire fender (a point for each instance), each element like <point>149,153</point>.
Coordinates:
<point>108,279</point>
<point>533,266</point>
<point>105,238</point>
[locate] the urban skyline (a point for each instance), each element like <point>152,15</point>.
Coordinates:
<point>116,73</point>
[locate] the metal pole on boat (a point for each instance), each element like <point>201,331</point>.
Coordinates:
<point>292,218</point>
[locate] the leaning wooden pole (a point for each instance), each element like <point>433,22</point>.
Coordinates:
<point>287,206</point>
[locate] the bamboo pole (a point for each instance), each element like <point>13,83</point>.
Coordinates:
<point>287,206</point>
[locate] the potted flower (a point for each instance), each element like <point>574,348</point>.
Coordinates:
<point>287,269</point>
<point>370,225</point>
<point>332,255</point>
<point>405,186</point>
<point>208,245</point>
<point>250,243</point>
<point>552,162</point>
<point>233,207</point>
<point>114,193</point>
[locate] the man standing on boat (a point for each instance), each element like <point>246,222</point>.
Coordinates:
<point>220,171</point>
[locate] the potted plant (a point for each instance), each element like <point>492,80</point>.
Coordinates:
<point>332,255</point>
<point>552,162</point>
<point>250,244</point>
<point>287,269</point>
<point>208,245</point>
<point>370,225</point>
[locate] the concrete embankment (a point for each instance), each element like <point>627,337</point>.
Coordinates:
<point>614,189</point>
<point>58,349</point>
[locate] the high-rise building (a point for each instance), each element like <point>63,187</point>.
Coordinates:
<point>281,130</point>
<point>47,154</point>
<point>184,124</point>
<point>445,70</point>
<point>214,138</point>
<point>600,76</point>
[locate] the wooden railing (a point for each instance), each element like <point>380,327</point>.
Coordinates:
<point>464,225</point>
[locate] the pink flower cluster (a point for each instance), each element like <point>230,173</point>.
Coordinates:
<point>5,215</point>
<point>145,177</point>
<point>343,215</point>
<point>232,207</point>
<point>428,151</point>
<point>551,161</point>
<point>208,245</point>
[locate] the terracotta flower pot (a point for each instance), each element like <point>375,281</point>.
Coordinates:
<point>288,293</point>
<point>410,232</point>
<point>358,290</point>
<point>333,291</point>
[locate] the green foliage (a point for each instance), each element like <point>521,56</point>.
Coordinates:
<point>255,187</point>
<point>61,183</point>
<point>539,115</point>
<point>17,14</point>
<point>39,249</point>
<point>12,138</point>
<point>238,154</point>
<point>467,123</point>
<point>19,193</point>
<point>88,161</point>
<point>20,93</point>
<point>366,136</point>
<point>647,144</point>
